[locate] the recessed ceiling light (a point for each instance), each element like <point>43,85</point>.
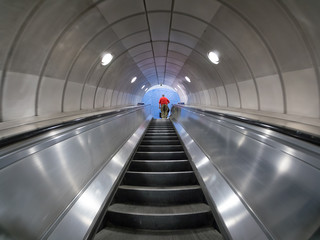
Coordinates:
<point>213,57</point>
<point>188,79</point>
<point>143,87</point>
<point>106,59</point>
<point>146,89</point>
<point>133,79</point>
<point>179,86</point>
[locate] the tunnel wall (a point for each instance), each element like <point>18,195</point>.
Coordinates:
<point>50,54</point>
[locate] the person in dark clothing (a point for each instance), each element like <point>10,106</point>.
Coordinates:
<point>163,105</point>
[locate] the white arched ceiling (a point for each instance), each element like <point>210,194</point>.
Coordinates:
<point>50,53</point>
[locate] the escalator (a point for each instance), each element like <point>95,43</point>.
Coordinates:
<point>159,196</point>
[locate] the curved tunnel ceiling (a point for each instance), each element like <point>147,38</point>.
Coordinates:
<point>50,56</point>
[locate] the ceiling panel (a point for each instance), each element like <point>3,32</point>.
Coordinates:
<point>135,40</point>
<point>183,38</point>
<point>153,5</point>
<point>160,60</point>
<point>180,48</point>
<point>175,61</point>
<point>188,24</point>
<point>160,49</point>
<point>144,62</point>
<point>204,9</point>
<point>143,56</point>
<point>130,25</point>
<point>115,10</point>
<point>159,26</point>
<point>140,49</point>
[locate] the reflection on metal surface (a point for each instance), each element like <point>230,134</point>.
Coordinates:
<point>235,220</point>
<point>52,172</point>
<point>77,222</point>
<point>267,171</point>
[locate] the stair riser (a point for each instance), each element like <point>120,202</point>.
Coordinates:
<point>177,179</point>
<point>161,138</point>
<point>159,198</point>
<point>160,156</point>
<point>159,148</point>
<point>160,142</point>
<point>160,167</point>
<point>170,222</point>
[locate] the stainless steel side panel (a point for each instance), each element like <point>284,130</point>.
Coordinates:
<point>39,187</point>
<point>78,220</point>
<point>275,177</point>
<point>237,221</point>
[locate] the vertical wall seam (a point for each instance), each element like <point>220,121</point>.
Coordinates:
<point>12,47</point>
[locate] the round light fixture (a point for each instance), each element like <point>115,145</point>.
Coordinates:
<point>213,57</point>
<point>133,79</point>
<point>143,87</point>
<point>106,59</point>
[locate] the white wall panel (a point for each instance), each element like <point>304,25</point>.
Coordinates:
<point>88,96</point>
<point>72,97</point>
<point>50,96</point>
<point>100,97</point>
<point>302,93</point>
<point>114,98</point>
<point>19,95</point>
<point>222,98</point>
<point>248,93</point>
<point>108,97</point>
<point>233,95</point>
<point>213,97</point>
<point>270,94</point>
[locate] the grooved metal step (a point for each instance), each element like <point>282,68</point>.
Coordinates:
<point>159,196</point>
<point>116,233</point>
<point>151,137</point>
<point>160,217</point>
<point>160,165</point>
<point>160,148</point>
<point>160,178</point>
<point>160,142</point>
<point>160,155</point>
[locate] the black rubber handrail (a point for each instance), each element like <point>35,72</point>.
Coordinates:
<point>33,133</point>
<point>301,135</point>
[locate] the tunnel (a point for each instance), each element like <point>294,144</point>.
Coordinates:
<point>84,154</point>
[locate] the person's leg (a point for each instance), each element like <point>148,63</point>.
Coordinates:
<point>162,111</point>
<point>166,111</point>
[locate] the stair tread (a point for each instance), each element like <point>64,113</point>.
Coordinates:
<point>181,209</point>
<point>133,234</point>
<point>168,188</point>
<point>160,161</point>
<point>179,172</point>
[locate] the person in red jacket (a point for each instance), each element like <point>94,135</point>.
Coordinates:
<point>163,105</point>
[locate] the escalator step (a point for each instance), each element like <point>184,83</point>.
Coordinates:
<point>117,233</point>
<point>160,165</point>
<point>160,155</point>
<point>160,196</point>
<point>160,142</point>
<point>160,148</point>
<point>160,217</point>
<point>160,178</point>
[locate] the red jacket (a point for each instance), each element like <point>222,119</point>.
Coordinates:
<point>164,100</point>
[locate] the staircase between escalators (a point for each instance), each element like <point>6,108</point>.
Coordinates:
<point>159,196</point>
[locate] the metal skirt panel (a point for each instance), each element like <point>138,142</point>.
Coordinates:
<point>40,187</point>
<point>276,178</point>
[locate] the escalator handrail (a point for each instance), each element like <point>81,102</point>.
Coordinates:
<point>33,133</point>
<point>298,134</point>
